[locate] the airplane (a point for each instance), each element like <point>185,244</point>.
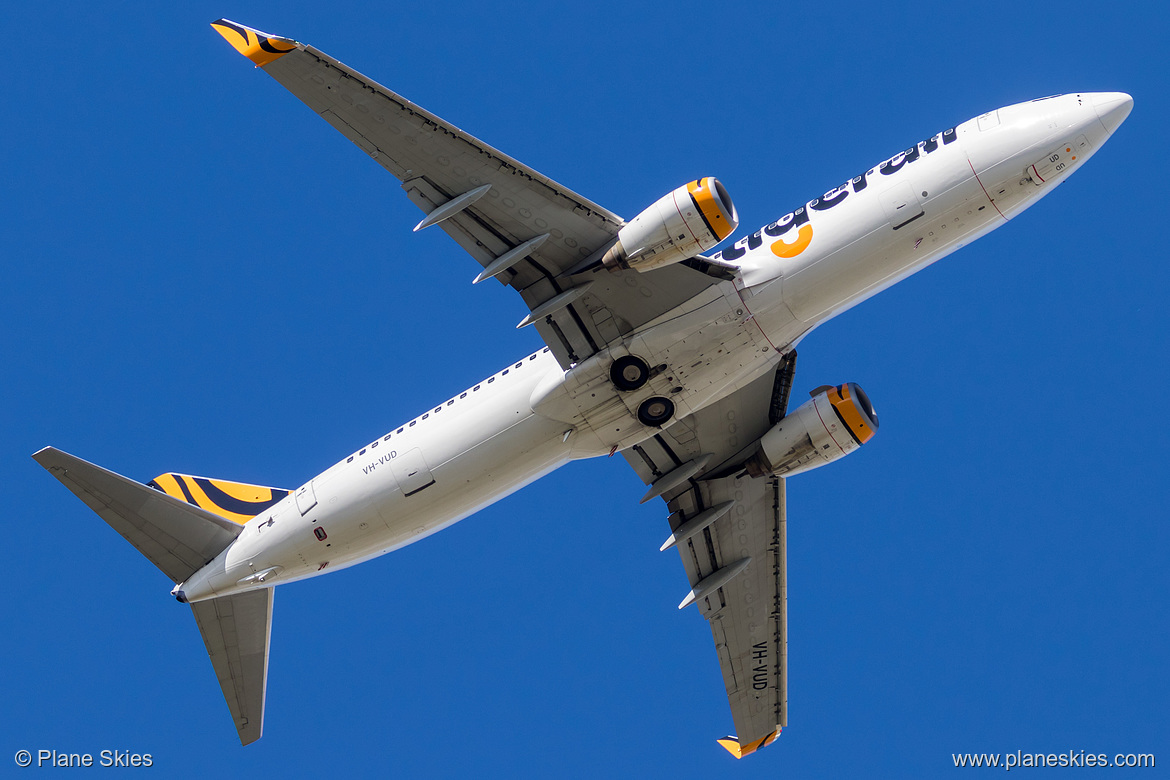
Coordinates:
<point>683,362</point>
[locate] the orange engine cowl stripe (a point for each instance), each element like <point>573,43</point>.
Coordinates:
<point>845,405</point>
<point>702,192</point>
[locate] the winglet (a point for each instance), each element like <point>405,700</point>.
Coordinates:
<point>260,47</point>
<point>739,751</point>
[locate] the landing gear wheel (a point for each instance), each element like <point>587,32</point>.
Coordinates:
<point>655,411</point>
<point>629,373</point>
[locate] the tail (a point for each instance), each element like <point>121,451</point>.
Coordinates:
<point>181,523</point>
<point>236,501</point>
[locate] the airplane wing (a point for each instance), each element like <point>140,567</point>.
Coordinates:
<point>525,229</point>
<point>730,532</point>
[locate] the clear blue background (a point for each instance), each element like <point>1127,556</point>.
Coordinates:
<point>201,276</point>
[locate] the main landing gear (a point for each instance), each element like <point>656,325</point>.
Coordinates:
<point>656,411</point>
<point>629,373</point>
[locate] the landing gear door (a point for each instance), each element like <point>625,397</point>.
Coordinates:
<point>901,205</point>
<point>411,471</point>
<point>306,497</point>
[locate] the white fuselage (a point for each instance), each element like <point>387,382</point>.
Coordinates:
<point>796,273</point>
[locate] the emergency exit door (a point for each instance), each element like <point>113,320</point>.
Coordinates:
<point>901,204</point>
<point>412,472</point>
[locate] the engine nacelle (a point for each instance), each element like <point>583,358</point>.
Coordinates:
<point>681,224</point>
<point>833,424</point>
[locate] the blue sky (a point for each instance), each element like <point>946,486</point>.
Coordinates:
<point>203,277</point>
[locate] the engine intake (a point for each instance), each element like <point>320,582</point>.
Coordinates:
<point>680,224</point>
<point>833,424</point>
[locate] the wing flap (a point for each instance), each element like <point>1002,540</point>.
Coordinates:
<point>176,537</point>
<point>237,631</point>
<point>570,332</point>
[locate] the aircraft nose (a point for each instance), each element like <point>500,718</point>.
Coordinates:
<point>1112,108</point>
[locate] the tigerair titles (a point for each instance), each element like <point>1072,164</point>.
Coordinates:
<point>799,218</point>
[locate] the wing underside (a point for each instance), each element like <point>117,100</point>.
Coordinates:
<point>491,204</point>
<point>745,604</point>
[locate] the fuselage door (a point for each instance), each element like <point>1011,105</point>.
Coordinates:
<point>901,204</point>
<point>412,472</point>
<point>306,497</point>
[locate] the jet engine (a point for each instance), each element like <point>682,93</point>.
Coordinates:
<point>680,224</point>
<point>833,424</point>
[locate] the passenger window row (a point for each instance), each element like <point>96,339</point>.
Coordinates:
<point>439,408</point>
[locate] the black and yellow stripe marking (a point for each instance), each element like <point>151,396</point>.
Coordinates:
<point>236,501</point>
<point>259,47</point>
<point>739,751</point>
<point>849,412</point>
<point>703,195</point>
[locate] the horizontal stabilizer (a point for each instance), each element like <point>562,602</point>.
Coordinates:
<point>175,536</point>
<point>236,630</point>
<point>236,501</point>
